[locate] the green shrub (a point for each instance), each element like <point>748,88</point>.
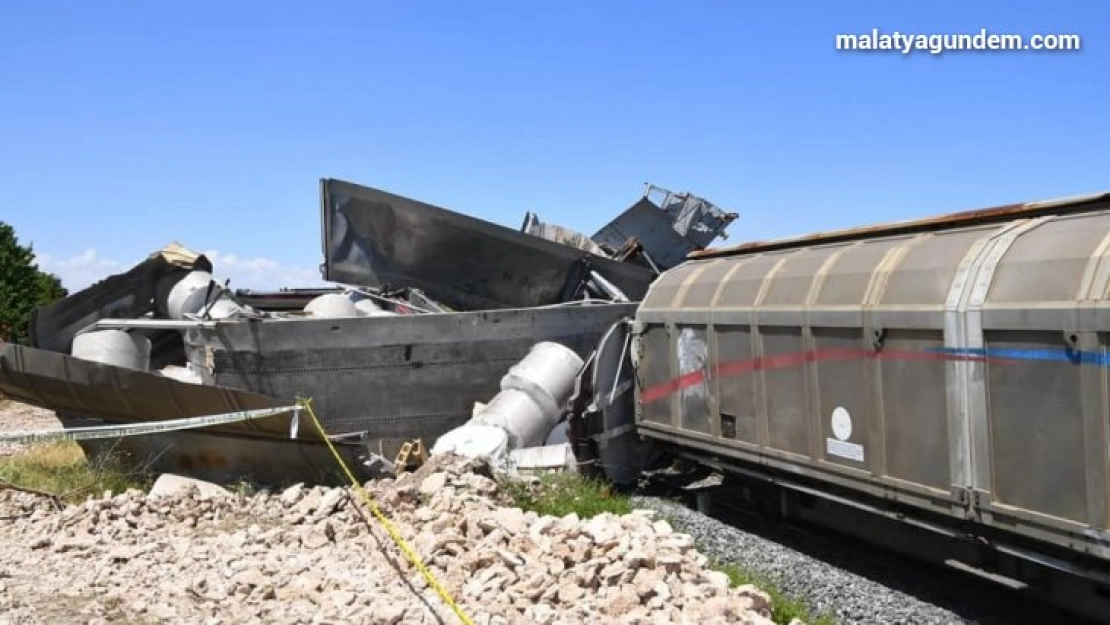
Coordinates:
<point>22,286</point>
<point>559,494</point>
<point>784,608</point>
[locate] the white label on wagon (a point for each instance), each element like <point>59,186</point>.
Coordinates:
<point>844,449</point>
<point>841,422</point>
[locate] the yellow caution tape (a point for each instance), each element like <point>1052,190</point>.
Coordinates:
<point>386,523</point>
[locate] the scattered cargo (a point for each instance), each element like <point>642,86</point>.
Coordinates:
<point>429,310</point>
<point>532,401</point>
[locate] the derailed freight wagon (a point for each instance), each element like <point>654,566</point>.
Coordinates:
<point>950,373</point>
<point>432,308</point>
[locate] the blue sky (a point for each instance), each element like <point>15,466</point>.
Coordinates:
<point>125,125</point>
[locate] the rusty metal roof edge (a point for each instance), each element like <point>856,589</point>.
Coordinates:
<point>1076,203</point>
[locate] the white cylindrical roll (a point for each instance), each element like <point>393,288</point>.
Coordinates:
<point>516,412</point>
<point>473,441</point>
<point>113,347</point>
<point>531,398</point>
<point>191,294</point>
<point>162,291</point>
<point>547,374</point>
<point>331,305</point>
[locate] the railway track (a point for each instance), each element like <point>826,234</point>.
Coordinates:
<point>837,572</point>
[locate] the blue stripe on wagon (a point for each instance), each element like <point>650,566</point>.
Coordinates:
<point>1072,356</point>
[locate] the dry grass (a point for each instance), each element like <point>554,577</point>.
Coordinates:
<point>62,469</point>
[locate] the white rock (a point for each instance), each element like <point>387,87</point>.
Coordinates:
<point>716,579</point>
<point>290,495</point>
<point>541,613</point>
<point>389,613</point>
<point>330,501</point>
<point>432,484</point>
<point>543,526</point>
<point>569,593</point>
<point>309,503</point>
<point>511,519</point>
<point>170,485</point>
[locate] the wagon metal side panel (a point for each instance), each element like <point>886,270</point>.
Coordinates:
<point>965,365</point>
<point>913,320</point>
<point>399,377</point>
<point>1037,323</point>
<point>828,360</point>
<point>959,367</point>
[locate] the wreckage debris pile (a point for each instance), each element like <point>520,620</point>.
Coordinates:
<point>312,554</point>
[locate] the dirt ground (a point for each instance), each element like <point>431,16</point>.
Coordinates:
<point>17,417</point>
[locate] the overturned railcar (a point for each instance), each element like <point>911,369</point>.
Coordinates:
<point>952,369</point>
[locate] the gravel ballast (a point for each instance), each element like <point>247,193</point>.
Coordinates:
<point>308,555</point>
<point>191,552</point>
<point>850,598</point>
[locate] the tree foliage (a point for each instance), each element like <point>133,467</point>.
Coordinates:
<point>22,286</point>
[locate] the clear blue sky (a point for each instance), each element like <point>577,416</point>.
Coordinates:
<point>125,125</point>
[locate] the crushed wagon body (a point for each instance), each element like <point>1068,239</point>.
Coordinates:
<point>452,303</point>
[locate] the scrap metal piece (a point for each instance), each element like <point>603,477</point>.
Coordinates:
<point>610,415</point>
<point>557,458</point>
<point>421,302</point>
<point>88,393</point>
<point>67,384</point>
<point>533,226</point>
<point>374,238</point>
<point>668,231</point>
<point>712,480</point>
<point>607,287</point>
<point>127,295</point>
